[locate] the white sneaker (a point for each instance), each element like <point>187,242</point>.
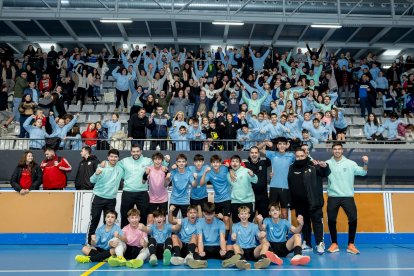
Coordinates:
<point>306,247</point>
<point>177,261</point>
<point>189,256</point>
<point>320,248</point>
<point>78,103</point>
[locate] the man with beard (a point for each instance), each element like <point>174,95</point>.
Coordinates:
<point>306,191</point>
<point>259,167</point>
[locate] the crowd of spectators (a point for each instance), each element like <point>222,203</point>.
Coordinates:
<point>196,97</point>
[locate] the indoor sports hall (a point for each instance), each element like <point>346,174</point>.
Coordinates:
<point>206,136</point>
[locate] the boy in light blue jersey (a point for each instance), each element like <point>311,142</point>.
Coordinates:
<point>160,243</point>
<point>245,235</point>
<point>276,230</point>
<point>185,243</point>
<point>106,241</point>
<point>218,178</point>
<point>199,194</point>
<point>182,181</point>
<point>181,139</point>
<point>106,184</point>
<point>211,241</point>
<point>281,160</point>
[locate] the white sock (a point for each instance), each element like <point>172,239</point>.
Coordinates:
<point>119,249</point>
<point>144,254</point>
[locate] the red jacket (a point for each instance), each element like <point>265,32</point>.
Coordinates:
<point>45,84</point>
<point>90,134</point>
<point>54,175</point>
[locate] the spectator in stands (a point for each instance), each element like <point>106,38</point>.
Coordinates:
<point>391,124</point>
<point>27,176</point>
<point>122,86</point>
<point>21,85</point>
<point>58,102</point>
<point>90,135</point>
<point>60,129</point>
<point>159,128</point>
<point>33,92</point>
<point>179,102</point>
<point>339,123</point>
<point>83,84</point>
<point>45,83</point>
<point>5,114</point>
<point>27,108</point>
<point>86,169</point>
<point>37,134</point>
<point>9,75</point>
<point>54,170</point>
<point>46,104</point>
<point>73,139</point>
<point>102,143</point>
<point>365,88</point>
<point>113,125</point>
<point>148,102</point>
<point>372,128</point>
<point>138,125</point>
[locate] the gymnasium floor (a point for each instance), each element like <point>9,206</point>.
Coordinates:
<point>59,260</point>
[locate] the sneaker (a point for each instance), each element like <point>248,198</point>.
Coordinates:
<point>177,261</point>
<point>273,258</point>
<point>125,110</point>
<point>116,110</point>
<point>134,263</point>
<point>262,263</point>
<point>166,257</point>
<point>83,259</point>
<point>116,261</point>
<point>352,249</point>
<point>300,260</point>
<point>153,260</point>
<point>230,262</point>
<point>189,256</point>
<point>243,265</point>
<point>195,264</point>
<point>306,247</point>
<point>320,248</point>
<point>333,248</point>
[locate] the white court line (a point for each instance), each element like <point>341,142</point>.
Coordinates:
<point>221,269</point>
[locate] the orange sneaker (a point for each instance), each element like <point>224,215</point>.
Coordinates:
<point>352,249</point>
<point>273,258</point>
<point>300,260</point>
<point>333,248</point>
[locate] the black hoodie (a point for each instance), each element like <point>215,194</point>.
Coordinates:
<point>259,169</point>
<point>86,169</point>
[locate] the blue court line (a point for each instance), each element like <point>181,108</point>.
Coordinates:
<point>69,238</point>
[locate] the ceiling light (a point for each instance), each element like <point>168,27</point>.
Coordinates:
<point>112,20</point>
<point>234,23</point>
<point>391,52</point>
<point>15,19</point>
<point>329,26</point>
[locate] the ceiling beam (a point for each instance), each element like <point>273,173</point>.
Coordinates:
<point>359,53</point>
<point>226,33</point>
<point>15,29</point>
<point>277,33</point>
<point>175,34</point>
<point>95,28</point>
<point>354,7</point>
<point>159,5</point>
<point>328,35</point>
<point>14,48</point>
<point>185,6</point>
<point>208,16</point>
<point>337,51</point>
<point>122,31</point>
<point>69,29</point>
<point>353,34</point>
<point>200,29</point>
<point>46,4</point>
<point>403,36</point>
<point>108,48</point>
<point>104,5</point>
<point>406,10</point>
<point>195,41</point>
<point>242,7</point>
<point>303,33</point>
<point>298,7</point>
<point>148,28</point>
<point>376,38</point>
<point>251,32</point>
<point>42,28</point>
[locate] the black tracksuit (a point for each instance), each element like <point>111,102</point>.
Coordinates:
<point>260,188</point>
<point>86,169</point>
<point>306,191</point>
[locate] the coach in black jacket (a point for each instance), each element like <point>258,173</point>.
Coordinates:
<point>306,192</point>
<point>86,169</point>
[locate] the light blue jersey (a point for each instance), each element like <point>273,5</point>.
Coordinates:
<point>276,232</point>
<point>160,235</point>
<point>211,231</point>
<point>246,235</point>
<point>198,192</point>
<point>188,229</point>
<point>103,237</point>
<point>181,183</point>
<point>220,185</point>
<point>280,168</point>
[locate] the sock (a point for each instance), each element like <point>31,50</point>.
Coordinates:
<point>152,247</point>
<point>297,250</point>
<point>119,249</point>
<point>176,251</point>
<point>168,244</point>
<point>144,254</point>
<point>191,248</point>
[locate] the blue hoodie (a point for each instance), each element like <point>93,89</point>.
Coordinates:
<point>122,81</point>
<point>37,135</point>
